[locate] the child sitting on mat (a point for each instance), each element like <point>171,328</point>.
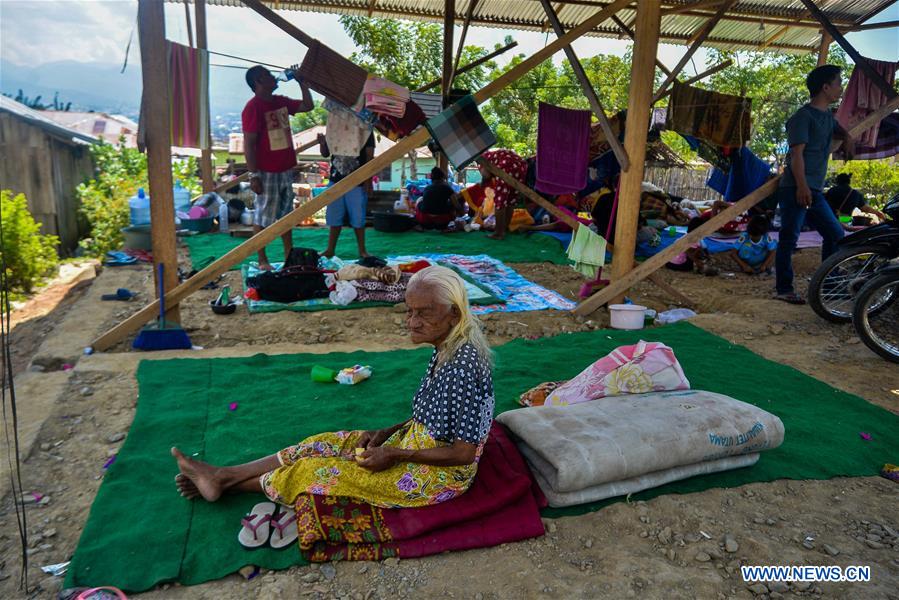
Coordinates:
<point>755,249</point>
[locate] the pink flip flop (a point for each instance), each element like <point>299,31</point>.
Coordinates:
<point>284,529</point>
<point>255,530</point>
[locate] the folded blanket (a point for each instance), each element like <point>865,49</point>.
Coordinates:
<point>618,438</point>
<point>501,506</point>
<point>332,75</point>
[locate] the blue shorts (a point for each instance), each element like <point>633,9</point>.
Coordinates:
<point>349,209</point>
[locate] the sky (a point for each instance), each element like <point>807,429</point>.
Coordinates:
<point>34,32</point>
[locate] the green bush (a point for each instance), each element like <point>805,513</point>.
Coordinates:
<point>104,199</point>
<point>26,254</point>
<point>878,180</point>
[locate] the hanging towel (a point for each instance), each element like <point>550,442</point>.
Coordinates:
<point>588,251</point>
<point>385,97</point>
<point>886,145</point>
<point>461,132</point>
<point>331,75</point>
<point>188,95</point>
<point>720,119</point>
<point>862,98</point>
<point>563,144</point>
<point>747,173</point>
<point>345,132</point>
<point>430,104</point>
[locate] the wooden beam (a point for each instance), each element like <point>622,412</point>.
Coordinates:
<point>449,15</point>
<point>700,76</point>
<point>472,5</point>
<point>470,66</point>
<point>676,10</point>
<point>652,264</point>
<point>783,30</point>
<point>703,33</point>
<point>870,26</point>
<point>206,175</point>
<point>190,29</point>
<point>574,224</point>
<point>157,127</point>
<point>635,134</point>
<point>824,49</point>
<point>588,90</point>
<point>860,61</point>
<point>630,33</point>
<point>280,22</point>
<point>371,7</point>
<point>357,177</point>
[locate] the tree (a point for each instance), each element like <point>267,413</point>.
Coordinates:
<point>303,121</point>
<point>36,103</point>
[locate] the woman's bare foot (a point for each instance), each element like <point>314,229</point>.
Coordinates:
<point>496,236</point>
<point>200,474</point>
<point>186,487</point>
<point>265,266</point>
<point>328,254</point>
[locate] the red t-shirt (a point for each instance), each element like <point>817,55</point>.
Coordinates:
<point>270,120</point>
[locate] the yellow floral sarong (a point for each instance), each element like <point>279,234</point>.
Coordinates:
<point>325,465</point>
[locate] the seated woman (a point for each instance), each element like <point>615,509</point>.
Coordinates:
<point>439,204</point>
<point>452,412</point>
<point>504,196</point>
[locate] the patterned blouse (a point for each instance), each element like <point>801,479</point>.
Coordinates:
<point>456,401</point>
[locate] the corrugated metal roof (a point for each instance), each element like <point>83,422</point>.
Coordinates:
<point>37,119</point>
<point>748,25</point>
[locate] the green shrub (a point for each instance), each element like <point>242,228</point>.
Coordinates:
<point>26,254</point>
<point>104,199</point>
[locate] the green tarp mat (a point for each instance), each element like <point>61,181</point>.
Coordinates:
<point>141,532</point>
<point>514,249</point>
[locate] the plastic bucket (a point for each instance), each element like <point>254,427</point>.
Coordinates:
<point>137,237</point>
<point>627,316</point>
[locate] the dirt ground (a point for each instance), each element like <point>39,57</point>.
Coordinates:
<point>669,547</point>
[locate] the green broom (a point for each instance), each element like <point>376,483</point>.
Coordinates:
<point>162,335</point>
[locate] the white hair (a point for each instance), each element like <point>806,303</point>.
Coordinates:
<point>450,290</point>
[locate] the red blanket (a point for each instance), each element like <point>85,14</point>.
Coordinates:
<point>502,505</point>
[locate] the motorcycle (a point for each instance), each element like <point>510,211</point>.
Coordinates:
<point>876,313</point>
<point>837,282</point>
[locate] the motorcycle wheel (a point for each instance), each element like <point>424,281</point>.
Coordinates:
<point>837,282</point>
<point>876,314</point>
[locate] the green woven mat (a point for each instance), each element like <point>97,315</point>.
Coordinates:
<point>514,249</point>
<point>141,532</point>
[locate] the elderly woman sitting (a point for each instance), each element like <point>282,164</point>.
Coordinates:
<point>441,443</point>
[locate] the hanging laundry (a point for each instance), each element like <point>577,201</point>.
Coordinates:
<point>885,146</point>
<point>332,75</point>
<point>862,97</point>
<point>747,173</point>
<point>563,144</point>
<point>598,142</point>
<point>714,155</point>
<point>720,119</point>
<point>588,252</point>
<point>385,97</point>
<point>345,132</point>
<point>461,132</point>
<point>395,128</point>
<point>188,95</point>
<point>430,104</point>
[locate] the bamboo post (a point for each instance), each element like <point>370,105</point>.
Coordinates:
<point>652,264</point>
<point>860,61</point>
<point>205,153</point>
<point>469,66</point>
<point>414,140</point>
<point>587,88</point>
<point>157,123</point>
<point>573,223</point>
<point>630,33</point>
<point>472,5</point>
<point>630,184</point>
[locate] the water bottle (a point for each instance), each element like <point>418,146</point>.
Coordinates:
<point>181,197</point>
<point>140,208</point>
<point>223,217</point>
<point>287,75</point>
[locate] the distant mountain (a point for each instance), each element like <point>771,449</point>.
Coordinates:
<point>102,87</point>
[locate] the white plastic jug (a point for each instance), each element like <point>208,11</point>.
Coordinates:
<point>182,197</point>
<point>140,208</point>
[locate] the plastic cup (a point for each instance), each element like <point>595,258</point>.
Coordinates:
<point>672,231</point>
<point>323,374</point>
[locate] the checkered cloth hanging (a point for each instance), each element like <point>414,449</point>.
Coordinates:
<point>461,132</point>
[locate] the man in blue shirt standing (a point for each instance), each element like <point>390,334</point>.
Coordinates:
<point>809,133</point>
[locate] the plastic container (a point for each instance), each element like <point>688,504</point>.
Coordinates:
<point>627,316</point>
<point>140,208</point>
<point>247,217</point>
<point>201,225</point>
<point>137,237</point>
<point>323,374</point>
<point>182,197</point>
<point>223,217</point>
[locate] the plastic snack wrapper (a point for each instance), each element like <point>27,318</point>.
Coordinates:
<point>353,375</point>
